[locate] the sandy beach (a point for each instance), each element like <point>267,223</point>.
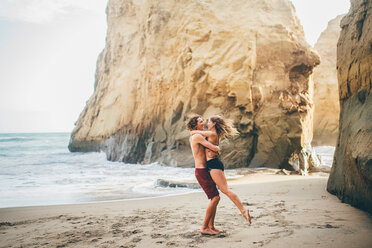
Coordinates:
<point>287,211</point>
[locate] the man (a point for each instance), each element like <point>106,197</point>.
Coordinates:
<point>198,144</point>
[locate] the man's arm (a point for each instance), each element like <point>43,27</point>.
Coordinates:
<point>204,133</point>
<point>201,140</point>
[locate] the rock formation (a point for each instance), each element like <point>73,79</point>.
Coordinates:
<point>163,60</point>
<point>326,100</point>
<point>351,174</point>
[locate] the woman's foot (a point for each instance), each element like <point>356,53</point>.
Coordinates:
<point>246,215</point>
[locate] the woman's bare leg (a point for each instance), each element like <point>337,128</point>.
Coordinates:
<point>219,178</point>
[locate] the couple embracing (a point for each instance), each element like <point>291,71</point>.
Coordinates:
<point>209,170</point>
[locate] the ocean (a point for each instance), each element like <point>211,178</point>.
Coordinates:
<point>38,169</point>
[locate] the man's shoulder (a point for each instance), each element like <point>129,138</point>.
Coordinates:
<point>196,137</point>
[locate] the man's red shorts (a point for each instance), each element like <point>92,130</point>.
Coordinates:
<point>206,182</point>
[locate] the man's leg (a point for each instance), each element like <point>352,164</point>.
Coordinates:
<point>211,210</point>
<point>211,221</point>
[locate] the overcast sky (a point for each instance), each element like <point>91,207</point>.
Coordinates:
<point>48,53</point>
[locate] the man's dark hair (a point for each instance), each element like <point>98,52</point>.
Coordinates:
<point>192,122</point>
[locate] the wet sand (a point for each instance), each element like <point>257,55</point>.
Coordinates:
<point>287,211</point>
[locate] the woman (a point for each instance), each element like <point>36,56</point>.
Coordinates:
<point>220,128</point>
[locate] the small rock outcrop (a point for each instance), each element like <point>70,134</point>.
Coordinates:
<point>326,99</point>
<point>247,60</point>
<point>351,174</point>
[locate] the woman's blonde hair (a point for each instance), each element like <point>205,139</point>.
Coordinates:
<point>224,127</point>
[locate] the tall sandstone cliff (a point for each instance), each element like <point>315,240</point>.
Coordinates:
<point>164,60</point>
<point>351,174</point>
<point>326,98</point>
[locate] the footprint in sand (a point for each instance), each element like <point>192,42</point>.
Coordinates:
<point>116,228</point>
<point>248,204</point>
<point>128,246</point>
<point>158,235</point>
<point>327,226</point>
<point>190,235</point>
<point>136,239</point>
<point>172,244</point>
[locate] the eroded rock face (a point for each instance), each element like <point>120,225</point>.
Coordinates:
<point>351,174</point>
<point>326,99</point>
<point>164,60</point>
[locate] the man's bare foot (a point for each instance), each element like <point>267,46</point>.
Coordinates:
<point>217,230</point>
<point>207,231</point>
<point>246,215</point>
